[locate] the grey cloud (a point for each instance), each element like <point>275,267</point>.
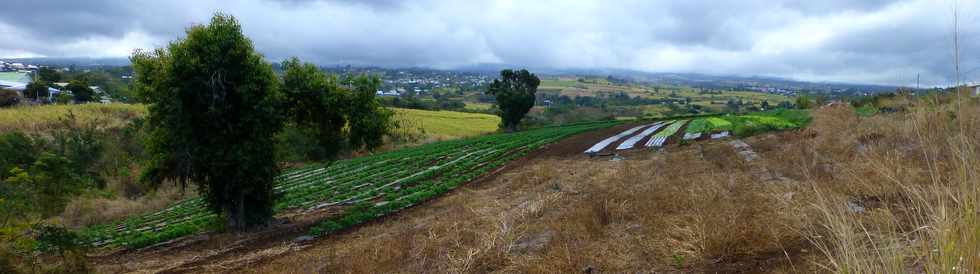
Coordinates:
<point>866,41</point>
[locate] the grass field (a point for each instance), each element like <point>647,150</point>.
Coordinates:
<point>14,77</point>
<point>598,86</point>
<point>446,124</point>
<point>36,119</point>
<point>431,124</point>
<point>478,106</point>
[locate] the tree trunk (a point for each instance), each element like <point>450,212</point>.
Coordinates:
<point>235,213</point>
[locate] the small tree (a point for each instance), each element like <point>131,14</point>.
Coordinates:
<point>8,97</point>
<point>369,120</point>
<point>804,102</point>
<point>765,104</point>
<point>316,105</point>
<point>213,112</point>
<point>80,89</point>
<point>514,92</point>
<point>36,90</point>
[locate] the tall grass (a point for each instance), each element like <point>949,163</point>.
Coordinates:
<point>922,167</point>
<point>37,119</point>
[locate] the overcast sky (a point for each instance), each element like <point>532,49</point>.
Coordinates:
<point>864,41</point>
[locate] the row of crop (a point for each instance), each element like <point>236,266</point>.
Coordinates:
<point>396,176</point>
<point>658,140</point>
<point>446,180</point>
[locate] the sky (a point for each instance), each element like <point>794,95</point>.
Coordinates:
<point>865,41</point>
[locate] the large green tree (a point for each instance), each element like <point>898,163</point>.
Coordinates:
<point>213,106</point>
<point>515,95</point>
<point>335,115</point>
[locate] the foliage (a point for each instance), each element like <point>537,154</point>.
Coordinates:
<point>369,122</point>
<point>866,110</point>
<point>81,91</point>
<point>751,123</point>
<point>804,102</point>
<point>36,90</point>
<point>514,92</point>
<point>48,75</point>
<point>213,115</point>
<point>18,151</point>
<point>8,98</point>
<point>316,106</point>
<point>336,116</point>
<point>63,98</point>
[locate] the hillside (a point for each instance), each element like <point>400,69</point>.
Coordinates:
<point>846,192</point>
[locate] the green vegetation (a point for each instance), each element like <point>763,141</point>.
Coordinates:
<point>655,100</point>
<point>216,132</point>
<point>81,90</point>
<point>36,90</point>
<point>752,123</point>
<point>317,106</point>
<point>514,92</point>
<point>376,185</point>
<point>671,129</point>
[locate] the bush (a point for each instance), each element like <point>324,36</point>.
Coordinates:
<point>8,98</point>
<point>18,150</point>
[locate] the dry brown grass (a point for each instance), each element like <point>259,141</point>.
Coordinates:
<point>660,212</point>
<point>84,211</point>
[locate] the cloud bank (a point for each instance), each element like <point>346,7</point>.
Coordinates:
<point>883,42</point>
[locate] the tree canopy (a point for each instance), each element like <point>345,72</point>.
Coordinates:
<point>80,89</point>
<point>515,95</point>
<point>214,109</point>
<point>36,90</point>
<point>336,116</point>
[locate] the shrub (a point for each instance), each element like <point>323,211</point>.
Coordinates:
<point>8,98</point>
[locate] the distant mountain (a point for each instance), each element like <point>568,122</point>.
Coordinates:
<point>68,61</point>
<point>493,69</point>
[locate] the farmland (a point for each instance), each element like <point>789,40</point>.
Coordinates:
<point>434,124</point>
<point>372,186</point>
<point>446,124</point>
<point>714,100</point>
<point>700,128</point>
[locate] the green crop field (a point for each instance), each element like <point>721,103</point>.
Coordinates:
<point>748,124</point>
<point>371,186</point>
